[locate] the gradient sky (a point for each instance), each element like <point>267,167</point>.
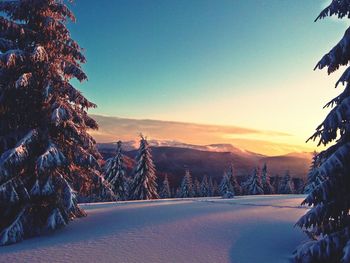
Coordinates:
<point>244,63</point>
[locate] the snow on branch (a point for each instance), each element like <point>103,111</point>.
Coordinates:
<point>330,246</point>
<point>39,54</point>
<point>85,159</point>
<point>55,220</point>
<point>46,190</point>
<point>337,56</point>
<point>8,193</point>
<point>68,193</point>
<point>327,131</point>
<point>23,81</point>
<point>13,31</point>
<point>59,115</point>
<point>341,97</point>
<point>12,158</point>
<point>73,70</point>
<point>345,77</point>
<point>51,159</point>
<point>337,7</point>
<point>336,162</point>
<point>76,96</point>
<point>12,58</point>
<point>15,232</point>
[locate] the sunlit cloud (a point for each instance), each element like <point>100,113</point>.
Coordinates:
<point>260,141</point>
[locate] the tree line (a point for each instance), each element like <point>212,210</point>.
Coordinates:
<point>141,184</point>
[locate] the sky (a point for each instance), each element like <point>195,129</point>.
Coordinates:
<point>239,63</point>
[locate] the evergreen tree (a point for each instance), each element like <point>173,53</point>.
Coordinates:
<point>210,186</point>
<point>165,190</point>
<point>115,173</point>
<point>197,188</point>
<point>226,188</point>
<point>275,182</point>
<point>44,145</point>
<point>299,185</point>
<point>286,185</point>
<point>144,184</point>
<point>186,188</point>
<point>328,219</point>
<point>265,180</point>
<point>253,184</point>
<point>313,178</point>
<point>215,189</point>
<point>205,192</point>
<point>231,175</point>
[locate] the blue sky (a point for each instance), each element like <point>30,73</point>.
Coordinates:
<point>246,63</point>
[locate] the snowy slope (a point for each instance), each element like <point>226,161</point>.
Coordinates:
<point>245,229</point>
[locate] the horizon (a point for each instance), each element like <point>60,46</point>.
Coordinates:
<point>265,142</point>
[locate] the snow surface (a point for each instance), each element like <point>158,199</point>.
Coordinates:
<point>244,229</point>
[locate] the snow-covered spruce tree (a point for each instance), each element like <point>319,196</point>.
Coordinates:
<point>286,184</point>
<point>186,187</point>
<point>328,219</point>
<point>211,186</point>
<point>144,184</point>
<point>226,188</point>
<point>253,185</point>
<point>196,188</point>
<point>165,190</point>
<point>215,188</point>
<point>204,190</point>
<point>265,181</point>
<point>236,186</point>
<point>44,144</point>
<point>313,178</point>
<point>115,173</point>
<point>299,185</point>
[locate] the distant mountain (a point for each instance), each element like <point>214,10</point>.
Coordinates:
<point>172,157</point>
<point>262,141</point>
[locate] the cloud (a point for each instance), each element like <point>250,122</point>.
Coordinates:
<point>266,142</point>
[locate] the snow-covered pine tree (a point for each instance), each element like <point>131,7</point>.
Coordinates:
<point>115,173</point>
<point>211,186</point>
<point>44,144</point>
<point>186,188</point>
<point>165,190</point>
<point>253,185</point>
<point>144,184</point>
<point>328,219</point>
<point>204,190</point>
<point>232,177</point>
<point>215,188</point>
<point>299,185</point>
<point>226,188</point>
<point>313,178</point>
<point>265,181</point>
<point>196,188</point>
<point>286,184</point>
